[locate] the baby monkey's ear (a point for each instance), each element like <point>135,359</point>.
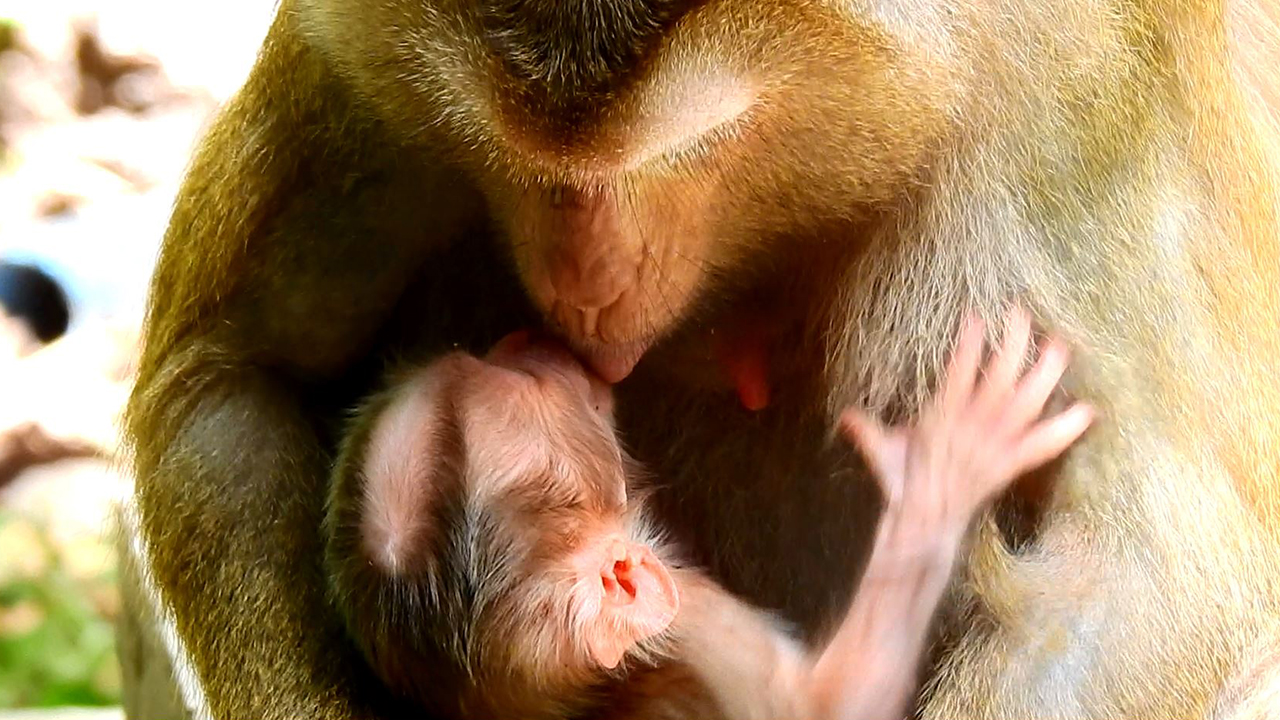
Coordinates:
<point>636,600</point>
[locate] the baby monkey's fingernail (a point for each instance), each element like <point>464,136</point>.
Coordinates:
<point>1087,412</point>
<point>1058,350</point>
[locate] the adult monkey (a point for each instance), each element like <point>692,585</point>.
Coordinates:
<point>863,171</point>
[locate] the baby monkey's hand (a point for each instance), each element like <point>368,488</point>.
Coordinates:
<point>967,445</point>
<point>971,441</point>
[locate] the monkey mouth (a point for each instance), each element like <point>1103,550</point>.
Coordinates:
<point>744,362</point>
<point>613,363</point>
<point>536,352</point>
<point>523,349</point>
<point>612,359</point>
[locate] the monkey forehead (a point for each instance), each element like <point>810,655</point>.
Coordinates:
<point>527,433</point>
<point>720,68</point>
<point>692,79</point>
<point>687,105</point>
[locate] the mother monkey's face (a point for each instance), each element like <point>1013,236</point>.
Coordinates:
<point>632,150</point>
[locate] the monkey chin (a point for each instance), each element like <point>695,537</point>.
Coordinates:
<point>743,363</point>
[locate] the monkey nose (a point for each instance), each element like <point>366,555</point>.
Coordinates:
<point>589,282</point>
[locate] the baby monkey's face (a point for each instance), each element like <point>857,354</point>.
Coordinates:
<point>541,453</point>
<point>514,456</point>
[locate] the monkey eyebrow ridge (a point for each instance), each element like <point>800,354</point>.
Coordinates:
<point>684,113</point>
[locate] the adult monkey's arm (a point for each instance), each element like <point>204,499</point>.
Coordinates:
<point>285,254</point>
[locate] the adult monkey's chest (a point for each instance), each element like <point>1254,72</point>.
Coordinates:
<point>768,501</point>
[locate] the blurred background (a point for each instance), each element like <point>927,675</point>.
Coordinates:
<point>101,102</point>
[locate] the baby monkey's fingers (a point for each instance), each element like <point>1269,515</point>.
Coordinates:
<point>962,371</point>
<point>1048,438</point>
<point>884,450</point>
<point>1005,366</point>
<point>1036,387</point>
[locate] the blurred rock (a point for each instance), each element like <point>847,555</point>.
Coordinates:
<point>32,91</point>
<point>207,47</point>
<point>56,204</point>
<point>68,501</point>
<point>104,99</point>
<point>104,77</point>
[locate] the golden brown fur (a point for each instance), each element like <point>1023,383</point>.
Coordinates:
<point>1111,163</point>
<point>1253,693</point>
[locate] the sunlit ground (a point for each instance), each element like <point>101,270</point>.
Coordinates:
<point>89,163</point>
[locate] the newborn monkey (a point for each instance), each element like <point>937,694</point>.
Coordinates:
<point>482,522</point>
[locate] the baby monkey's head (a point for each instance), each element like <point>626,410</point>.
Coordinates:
<point>496,502</point>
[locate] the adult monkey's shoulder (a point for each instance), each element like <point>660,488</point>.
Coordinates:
<point>293,237</point>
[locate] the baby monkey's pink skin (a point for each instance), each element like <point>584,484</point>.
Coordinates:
<point>536,426</point>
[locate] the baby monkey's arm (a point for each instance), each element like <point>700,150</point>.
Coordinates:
<point>978,435</point>
<point>936,474</point>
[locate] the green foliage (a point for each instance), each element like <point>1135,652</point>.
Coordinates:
<point>56,648</point>
<point>8,34</point>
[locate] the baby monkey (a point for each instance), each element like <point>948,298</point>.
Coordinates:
<point>492,560</point>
